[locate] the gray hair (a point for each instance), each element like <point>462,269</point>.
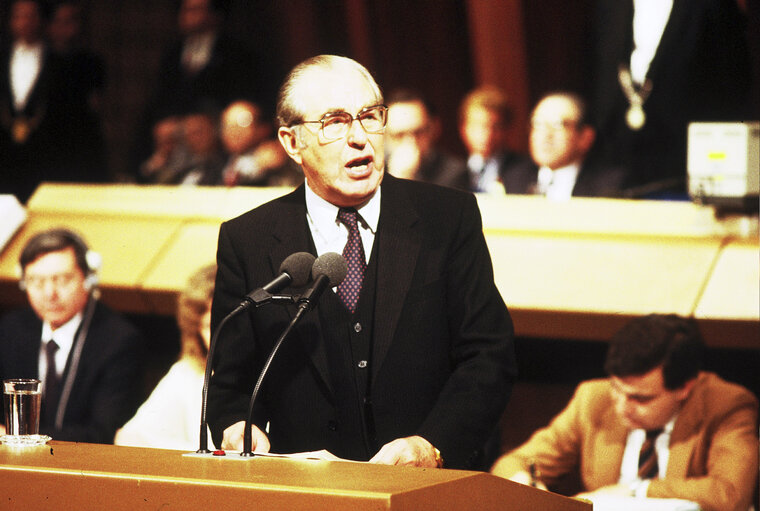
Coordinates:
<point>289,109</point>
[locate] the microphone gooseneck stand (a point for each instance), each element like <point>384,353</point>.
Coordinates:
<point>247,435</point>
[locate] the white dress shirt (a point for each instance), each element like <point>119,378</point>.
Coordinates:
<point>649,20</point>
<point>330,234</point>
<point>26,64</point>
<point>629,468</point>
<point>558,184</point>
<point>64,338</point>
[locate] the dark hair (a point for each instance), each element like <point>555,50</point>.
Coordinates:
<point>490,98</point>
<point>402,95</point>
<point>55,240</point>
<point>656,340</point>
<point>576,99</point>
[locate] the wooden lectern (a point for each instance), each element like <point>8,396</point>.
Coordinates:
<point>77,476</point>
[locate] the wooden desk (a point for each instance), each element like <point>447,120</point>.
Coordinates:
<point>77,476</point>
<point>577,269</point>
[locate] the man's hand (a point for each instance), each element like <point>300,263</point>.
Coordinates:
<point>523,477</point>
<point>233,438</point>
<point>2,429</point>
<point>413,451</point>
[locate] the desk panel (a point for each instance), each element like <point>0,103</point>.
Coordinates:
<point>193,246</point>
<point>576,269</point>
<point>77,476</point>
<point>559,280</point>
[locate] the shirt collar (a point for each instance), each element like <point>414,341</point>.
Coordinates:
<point>63,335</point>
<point>323,213</point>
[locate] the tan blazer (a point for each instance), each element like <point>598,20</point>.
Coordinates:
<point>713,447</point>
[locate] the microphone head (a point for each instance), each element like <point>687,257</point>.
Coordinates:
<point>332,265</point>
<point>298,266</point>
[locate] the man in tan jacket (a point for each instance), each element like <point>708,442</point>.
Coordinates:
<point>703,430</point>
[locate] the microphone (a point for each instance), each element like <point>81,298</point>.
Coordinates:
<point>328,270</point>
<point>296,270</point>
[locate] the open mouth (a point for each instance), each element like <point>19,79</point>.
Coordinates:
<point>359,166</point>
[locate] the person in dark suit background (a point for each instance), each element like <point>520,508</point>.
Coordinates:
<point>561,138</point>
<point>485,115</point>
<point>206,69</point>
<point>85,73</point>
<point>419,369</point>
<point>34,105</point>
<point>88,357</point>
<point>411,136</point>
<point>656,66</point>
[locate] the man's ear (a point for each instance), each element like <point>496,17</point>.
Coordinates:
<point>587,138</point>
<point>290,143</point>
<point>685,390</point>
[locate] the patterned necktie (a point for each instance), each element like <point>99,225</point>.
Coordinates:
<point>52,387</point>
<point>351,287</point>
<point>648,468</point>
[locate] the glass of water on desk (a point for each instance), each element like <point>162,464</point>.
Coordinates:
<point>21,404</point>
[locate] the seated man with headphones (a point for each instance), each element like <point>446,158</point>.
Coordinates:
<point>88,357</point>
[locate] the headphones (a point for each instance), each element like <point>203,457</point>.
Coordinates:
<point>91,259</point>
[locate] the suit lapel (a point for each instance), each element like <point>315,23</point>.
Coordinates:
<point>671,38</point>
<point>613,436</point>
<point>291,234</point>
<point>398,248</point>
<point>684,440</point>
<point>28,350</point>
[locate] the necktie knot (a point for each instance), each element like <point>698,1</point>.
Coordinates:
<point>349,217</point>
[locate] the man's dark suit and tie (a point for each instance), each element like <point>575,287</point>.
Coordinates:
<point>421,371</point>
<point>93,390</point>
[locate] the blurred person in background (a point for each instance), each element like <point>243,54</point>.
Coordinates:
<point>89,358</point>
<point>205,157</point>
<point>85,72</point>
<point>35,105</point>
<point>412,132</point>
<point>658,426</point>
<point>170,417</point>
<point>254,158</point>
<point>204,69</point>
<point>561,138</point>
<point>485,115</point>
<point>169,152</point>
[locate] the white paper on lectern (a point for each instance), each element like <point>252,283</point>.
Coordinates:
<point>613,503</point>
<point>13,216</point>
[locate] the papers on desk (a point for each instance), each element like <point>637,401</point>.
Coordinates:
<point>614,503</point>
<point>13,215</point>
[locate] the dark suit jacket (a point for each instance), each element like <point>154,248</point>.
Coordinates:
<point>43,154</point>
<point>700,72</point>
<point>442,364</point>
<point>593,180</point>
<point>444,169</point>
<point>107,386</point>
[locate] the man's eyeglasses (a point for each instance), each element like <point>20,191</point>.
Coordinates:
<point>335,125</point>
<point>563,125</point>
<point>59,281</point>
